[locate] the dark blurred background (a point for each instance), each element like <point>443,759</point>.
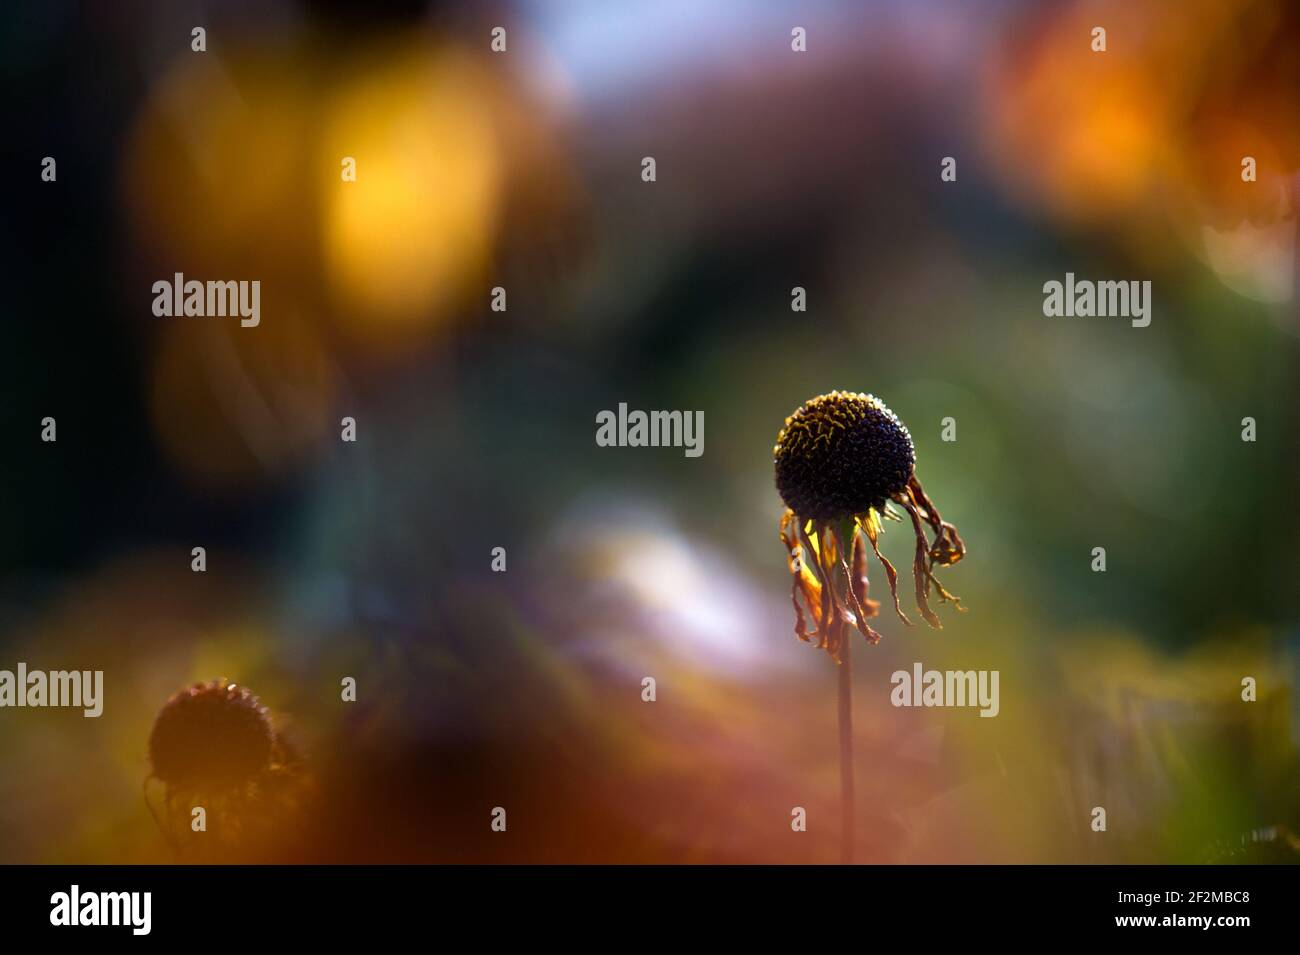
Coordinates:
<point>476,428</point>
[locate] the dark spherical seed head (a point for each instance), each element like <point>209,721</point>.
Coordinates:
<point>211,736</point>
<point>841,454</point>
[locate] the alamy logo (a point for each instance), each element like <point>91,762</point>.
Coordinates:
<point>180,297</point>
<point>1086,298</point>
<point>75,688</point>
<point>923,687</point>
<point>103,908</point>
<point>651,429</point>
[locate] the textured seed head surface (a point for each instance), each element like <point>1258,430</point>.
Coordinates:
<point>841,454</point>
<point>212,736</point>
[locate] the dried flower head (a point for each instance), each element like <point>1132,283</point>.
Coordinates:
<point>214,745</point>
<point>213,736</point>
<point>841,458</point>
<point>842,454</point>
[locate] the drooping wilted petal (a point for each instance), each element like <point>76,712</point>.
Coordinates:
<point>871,528</point>
<point>804,585</point>
<point>857,591</point>
<point>824,612</point>
<point>948,547</point>
<point>921,568</point>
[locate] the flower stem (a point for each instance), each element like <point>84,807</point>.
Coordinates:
<point>846,755</point>
<point>847,813</point>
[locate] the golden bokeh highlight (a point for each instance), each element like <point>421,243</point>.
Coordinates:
<point>1082,131</point>
<point>214,172</point>
<point>404,241</point>
<point>1147,139</point>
